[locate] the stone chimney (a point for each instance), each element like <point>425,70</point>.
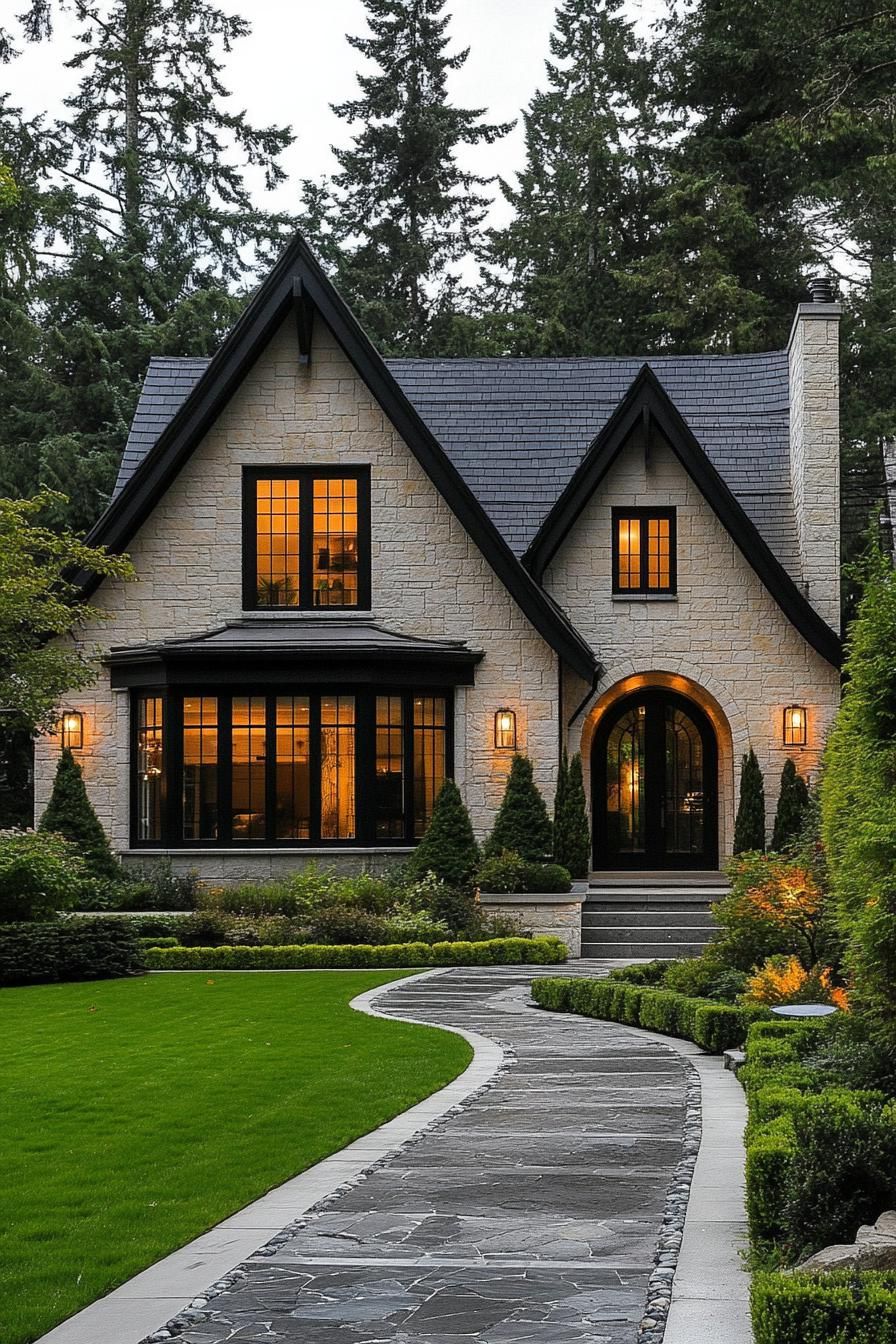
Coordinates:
<point>814,365</point>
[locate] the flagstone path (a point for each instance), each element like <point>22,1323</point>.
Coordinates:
<point>531,1217</point>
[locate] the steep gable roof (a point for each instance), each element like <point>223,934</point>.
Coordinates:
<point>517,429</point>
<point>647,407</point>
<point>297,282</point>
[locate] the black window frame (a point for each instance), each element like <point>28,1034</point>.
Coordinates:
<point>365,764</point>
<point>306,476</point>
<point>644,516</point>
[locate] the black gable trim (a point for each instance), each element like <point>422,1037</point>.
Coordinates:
<point>647,405</point>
<point>240,349</point>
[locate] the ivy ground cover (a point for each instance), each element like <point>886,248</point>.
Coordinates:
<point>135,1114</point>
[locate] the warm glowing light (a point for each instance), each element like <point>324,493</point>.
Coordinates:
<point>795,726</point>
<point>505,730</point>
<point>73,729</point>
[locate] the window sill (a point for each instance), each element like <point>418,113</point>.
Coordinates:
<point>306,614</point>
<point>241,851</point>
<point>645,597</point>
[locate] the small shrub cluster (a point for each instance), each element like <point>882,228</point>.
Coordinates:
<point>495,952</point>
<point>832,1308</point>
<point>40,875</point>
<point>714,1026</point>
<point>68,949</point>
<point>509,871</point>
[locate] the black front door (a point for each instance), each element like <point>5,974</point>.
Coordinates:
<point>654,785</point>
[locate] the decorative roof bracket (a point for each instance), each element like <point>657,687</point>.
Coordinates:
<point>304,313</point>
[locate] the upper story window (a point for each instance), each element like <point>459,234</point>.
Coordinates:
<point>306,538</point>
<point>644,551</point>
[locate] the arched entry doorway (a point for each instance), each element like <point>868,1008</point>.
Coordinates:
<point>654,784</point>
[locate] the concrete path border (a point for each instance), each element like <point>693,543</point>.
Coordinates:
<point>147,1301</point>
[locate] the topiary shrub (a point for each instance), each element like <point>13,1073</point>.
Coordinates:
<point>40,875</point>
<point>507,872</point>
<point>522,824</point>
<point>70,813</point>
<point>572,837</point>
<point>832,1308</point>
<point>793,807</point>
<point>749,827</point>
<point>448,848</point>
<point>544,951</point>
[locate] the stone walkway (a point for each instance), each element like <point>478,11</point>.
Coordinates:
<point>531,1217</point>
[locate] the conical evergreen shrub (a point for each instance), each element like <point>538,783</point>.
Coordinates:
<point>572,837</point>
<point>793,804</point>
<point>70,813</point>
<point>749,828</point>
<point>522,824</point>
<point>448,848</point>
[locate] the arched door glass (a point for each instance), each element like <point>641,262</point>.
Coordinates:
<point>626,819</point>
<point>684,803</point>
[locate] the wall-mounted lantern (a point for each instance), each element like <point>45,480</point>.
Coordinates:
<point>73,729</point>
<point>505,730</point>
<point>795,722</point>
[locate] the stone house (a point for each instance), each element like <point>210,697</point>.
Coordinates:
<point>356,576</point>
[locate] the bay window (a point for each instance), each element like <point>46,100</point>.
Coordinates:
<point>287,768</point>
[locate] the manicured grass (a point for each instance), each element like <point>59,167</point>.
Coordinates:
<point>135,1114</point>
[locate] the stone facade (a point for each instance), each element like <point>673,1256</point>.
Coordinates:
<point>556,915</point>
<point>723,640</point>
<point>429,579</point>
<point>813,357</point>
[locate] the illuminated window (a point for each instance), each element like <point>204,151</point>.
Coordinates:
<point>337,767</point>
<point>200,767</point>
<point>389,767</point>
<point>430,754</point>
<point>248,758</point>
<point>150,762</point>
<point>644,551</point>
<point>306,538</point>
<point>293,757</point>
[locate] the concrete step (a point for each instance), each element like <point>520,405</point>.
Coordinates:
<point>641,951</point>
<point>651,933</point>
<point>638,919</point>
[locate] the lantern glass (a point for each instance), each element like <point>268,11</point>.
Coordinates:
<point>795,722</point>
<point>73,729</point>
<point>505,729</point>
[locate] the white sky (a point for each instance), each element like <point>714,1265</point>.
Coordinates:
<point>297,62</point>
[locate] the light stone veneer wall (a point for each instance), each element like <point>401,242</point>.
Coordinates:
<point>558,915</point>
<point>813,360</point>
<point>723,633</point>
<point>429,579</point>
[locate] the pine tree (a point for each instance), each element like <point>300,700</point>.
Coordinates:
<point>793,804</point>
<point>401,213</point>
<point>560,796</point>
<point>522,824</point>
<point>749,826</point>
<point>144,225</point>
<point>70,813</point>
<point>572,847</point>
<point>448,848</point>
<point>583,204</point>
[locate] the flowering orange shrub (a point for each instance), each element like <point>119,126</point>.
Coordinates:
<point>776,907</point>
<point>786,980</point>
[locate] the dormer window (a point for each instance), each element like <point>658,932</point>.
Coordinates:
<point>306,538</point>
<point>643,551</point>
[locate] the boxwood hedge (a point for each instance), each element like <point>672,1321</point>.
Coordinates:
<point>494,952</point>
<point>68,949</point>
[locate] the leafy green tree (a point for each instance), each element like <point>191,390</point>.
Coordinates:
<point>448,848</point>
<point>522,825</point>
<point>584,203</point>
<point>38,599</point>
<point>572,837</point>
<point>70,813</point>
<point>401,213</point>
<point>793,805</point>
<point>749,825</point>
<point>141,224</point>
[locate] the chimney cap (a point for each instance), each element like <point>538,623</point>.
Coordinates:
<point>822,289</point>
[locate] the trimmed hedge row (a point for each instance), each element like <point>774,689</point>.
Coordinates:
<point>70,949</point>
<point>833,1308</point>
<point>713,1026</point>
<point>494,952</point>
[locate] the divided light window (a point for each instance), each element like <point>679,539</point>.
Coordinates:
<point>306,538</point>
<point>319,768</point>
<point>644,551</point>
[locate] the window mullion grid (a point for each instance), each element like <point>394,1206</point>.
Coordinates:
<point>314,796</point>
<point>270,768</point>
<point>225,768</point>
<point>172,768</point>
<point>407,720</point>
<point>306,541</point>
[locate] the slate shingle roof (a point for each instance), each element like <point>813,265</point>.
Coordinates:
<point>516,429</point>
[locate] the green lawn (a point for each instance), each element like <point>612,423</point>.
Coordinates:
<point>135,1114</point>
